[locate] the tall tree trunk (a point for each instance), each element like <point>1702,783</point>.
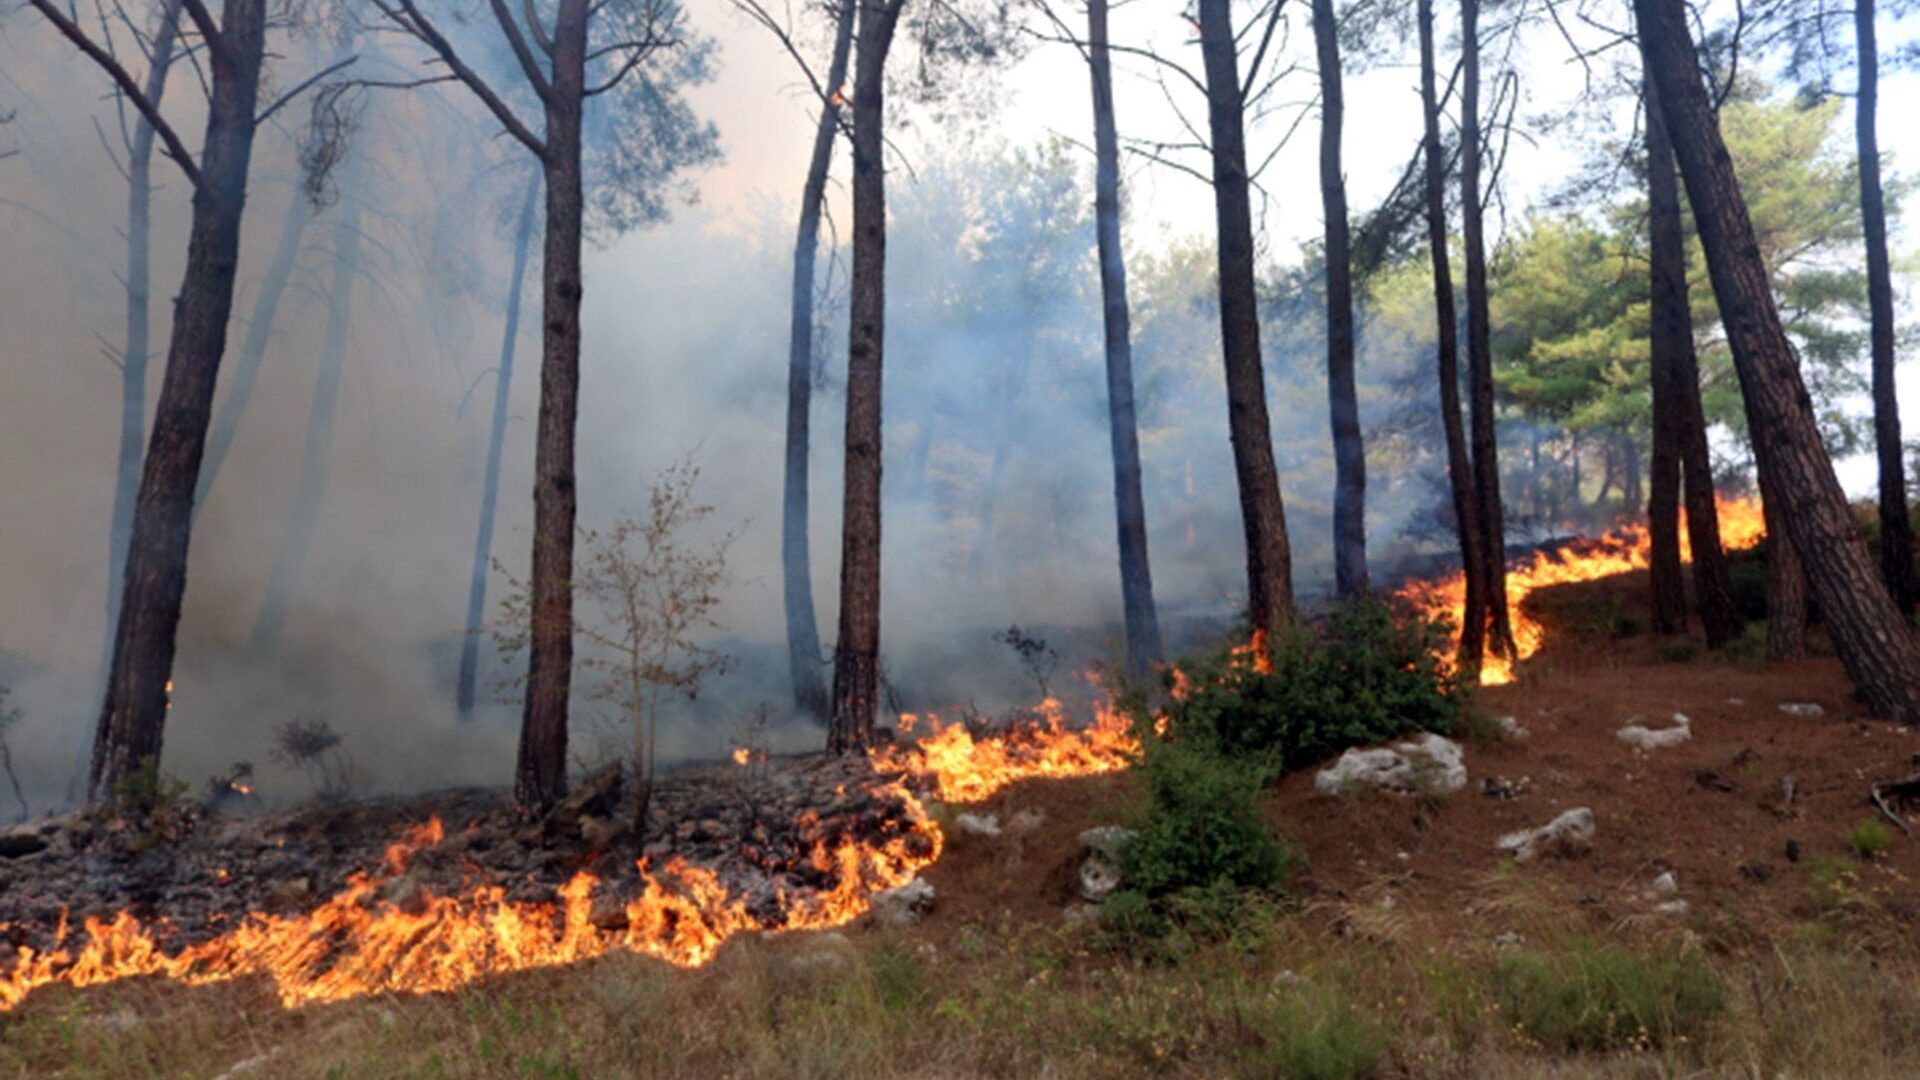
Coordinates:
<point>1486,453</point>
<point>133,718</point>
<point>245,371</point>
<point>496,445</point>
<point>1896,528</point>
<point>1129,503</point>
<point>856,655</point>
<point>1786,589</point>
<point>134,355</point>
<point>1343,401</point>
<point>1873,641</point>
<point>1676,389</point>
<point>803,629</point>
<point>1632,487</point>
<point>304,517</point>
<point>540,778</point>
<point>1263,514</point>
<point>1466,505</point>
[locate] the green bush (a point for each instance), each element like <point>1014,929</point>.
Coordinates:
<point>1606,998</point>
<point>1868,838</point>
<point>1747,574</point>
<point>1363,674</point>
<point>1200,825</point>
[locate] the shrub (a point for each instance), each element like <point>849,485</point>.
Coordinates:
<point>1868,838</point>
<point>1303,1033</point>
<point>1606,998</point>
<point>1747,574</point>
<point>1363,674</point>
<point>1200,825</point>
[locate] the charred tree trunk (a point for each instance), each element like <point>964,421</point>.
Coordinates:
<point>133,718</point>
<point>1486,453</point>
<point>1871,637</point>
<point>1343,401</point>
<point>803,630</point>
<point>253,350</point>
<point>496,446</point>
<point>540,779</point>
<point>1676,395</point>
<point>1269,559</point>
<point>856,657</point>
<point>1129,503</point>
<point>283,583</point>
<point>1466,506</point>
<point>1896,527</point>
<point>134,355</point>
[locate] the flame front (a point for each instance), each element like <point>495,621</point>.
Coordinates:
<point>1620,551</point>
<point>965,769</point>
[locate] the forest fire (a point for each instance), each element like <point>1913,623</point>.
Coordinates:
<point>362,941</point>
<point>1620,551</point>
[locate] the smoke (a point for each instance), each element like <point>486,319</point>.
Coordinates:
<point>998,485</point>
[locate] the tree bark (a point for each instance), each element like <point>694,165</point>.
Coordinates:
<point>1263,514</point>
<point>134,355</point>
<point>1343,401</point>
<point>540,778</point>
<point>304,516</point>
<point>1486,454</point>
<point>1873,641</point>
<point>496,446</point>
<point>1129,503</point>
<point>803,630</point>
<point>1896,527</point>
<point>1786,590</point>
<point>1676,388</point>
<point>253,350</point>
<point>1466,506</point>
<point>133,718</point>
<point>856,658</point>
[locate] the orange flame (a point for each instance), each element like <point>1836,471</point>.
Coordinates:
<point>965,769</point>
<point>1620,551</point>
<point>742,755</point>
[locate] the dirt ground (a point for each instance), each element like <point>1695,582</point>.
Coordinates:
<point>1711,810</point>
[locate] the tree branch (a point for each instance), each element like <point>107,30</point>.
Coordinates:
<point>406,15</point>
<point>303,85</point>
<point>520,50</point>
<point>176,149</point>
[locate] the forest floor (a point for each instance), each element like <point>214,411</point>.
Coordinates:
<point>1406,946</point>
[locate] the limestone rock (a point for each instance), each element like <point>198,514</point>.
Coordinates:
<point>1570,832</point>
<point>977,824</point>
<point>1646,738</point>
<point>1100,875</point>
<point>1802,708</point>
<point>905,904</point>
<point>1429,764</point>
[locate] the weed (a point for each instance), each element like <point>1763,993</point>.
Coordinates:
<point>1606,998</point>
<point>1868,838</point>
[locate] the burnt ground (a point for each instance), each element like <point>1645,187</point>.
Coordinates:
<point>202,866</point>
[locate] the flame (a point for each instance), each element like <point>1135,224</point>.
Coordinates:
<point>964,769</point>
<point>742,755</point>
<point>1620,551</point>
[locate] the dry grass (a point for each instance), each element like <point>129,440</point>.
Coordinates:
<point>1324,992</point>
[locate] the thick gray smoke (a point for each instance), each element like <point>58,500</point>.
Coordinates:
<point>998,483</point>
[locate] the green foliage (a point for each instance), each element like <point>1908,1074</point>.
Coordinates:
<point>1200,826</point>
<point>1606,998</point>
<point>1363,674</point>
<point>1868,838</point>
<point>1747,573</point>
<point>1677,651</point>
<point>1750,648</point>
<point>154,803</point>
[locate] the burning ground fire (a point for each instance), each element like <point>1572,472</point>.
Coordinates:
<point>358,942</point>
<point>1620,551</point>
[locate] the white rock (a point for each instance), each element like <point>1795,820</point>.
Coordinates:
<point>1646,738</point>
<point>1106,840</point>
<point>904,905</point>
<point>1509,728</point>
<point>1570,831</point>
<point>1802,708</point>
<point>1666,884</point>
<point>1430,763</point>
<point>1670,907</point>
<point>1509,940</point>
<point>977,824</point>
<point>1099,878</point>
<point>1026,821</point>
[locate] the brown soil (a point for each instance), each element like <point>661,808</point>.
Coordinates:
<point>1711,810</point>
